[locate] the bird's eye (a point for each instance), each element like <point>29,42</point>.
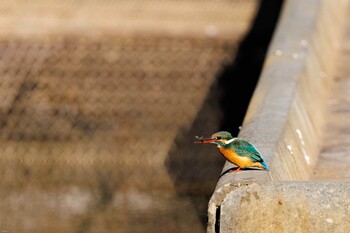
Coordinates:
<point>218,138</point>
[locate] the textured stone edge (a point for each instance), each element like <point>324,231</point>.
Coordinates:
<point>284,118</point>
<point>287,207</point>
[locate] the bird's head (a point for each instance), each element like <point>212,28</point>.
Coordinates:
<point>219,138</point>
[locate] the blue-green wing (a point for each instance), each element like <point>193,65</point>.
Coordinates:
<point>246,149</point>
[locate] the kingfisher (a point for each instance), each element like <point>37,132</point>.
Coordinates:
<point>236,150</point>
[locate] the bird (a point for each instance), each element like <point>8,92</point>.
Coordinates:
<point>236,150</point>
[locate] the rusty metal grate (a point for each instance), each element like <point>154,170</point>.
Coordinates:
<point>89,112</point>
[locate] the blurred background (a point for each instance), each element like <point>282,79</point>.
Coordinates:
<point>100,102</point>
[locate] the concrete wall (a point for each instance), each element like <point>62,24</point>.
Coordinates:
<point>284,121</point>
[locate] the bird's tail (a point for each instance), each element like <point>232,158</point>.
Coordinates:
<point>265,166</point>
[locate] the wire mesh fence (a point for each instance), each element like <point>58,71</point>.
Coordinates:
<point>89,113</point>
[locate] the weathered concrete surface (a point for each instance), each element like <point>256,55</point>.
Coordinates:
<point>287,207</point>
<point>285,120</point>
<point>334,159</point>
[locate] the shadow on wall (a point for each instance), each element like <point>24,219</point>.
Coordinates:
<point>195,168</point>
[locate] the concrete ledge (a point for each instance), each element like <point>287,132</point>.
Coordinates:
<point>287,207</point>
<point>285,118</point>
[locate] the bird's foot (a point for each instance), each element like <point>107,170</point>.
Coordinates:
<point>236,170</point>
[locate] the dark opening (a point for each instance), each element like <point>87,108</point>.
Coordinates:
<point>217,219</point>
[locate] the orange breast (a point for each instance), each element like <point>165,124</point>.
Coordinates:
<point>232,156</point>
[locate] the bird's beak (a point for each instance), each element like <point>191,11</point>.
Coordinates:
<point>205,140</point>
